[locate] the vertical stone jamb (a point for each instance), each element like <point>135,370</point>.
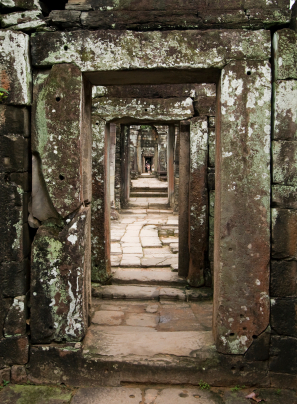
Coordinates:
<point>170,163</point>
<point>242,213</point>
<point>125,164</point>
<point>176,169</point>
<point>118,173</point>
<point>106,240</point>
<point>112,155</point>
<point>184,175</point>
<point>198,201</point>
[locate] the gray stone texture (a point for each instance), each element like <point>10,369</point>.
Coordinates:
<point>242,207</point>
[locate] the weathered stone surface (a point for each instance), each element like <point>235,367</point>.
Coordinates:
<point>198,201</point>
<point>15,322</point>
<point>285,54</point>
<point>284,196</point>
<point>14,153</point>
<point>35,394</point>
<point>283,355</point>
<point>15,278</point>
<point>56,134</point>
<point>5,304</point>
<point>259,350</point>
<point>283,279</point>
<point>15,67</point>
<point>60,296</point>
<point>9,20</point>
<point>284,162</point>
<point>23,4</point>
<point>100,205</point>
<point>5,375</point>
<point>242,207</point>
<point>181,395</point>
<point>283,309</point>
<point>66,18</point>
<point>106,395</point>
<point>284,233</point>
<point>14,121</point>
<point>14,350</point>
<point>143,108</point>
<point>285,110</point>
<point>115,50</point>
<point>18,374</point>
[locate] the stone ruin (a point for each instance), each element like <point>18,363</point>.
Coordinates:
<point>221,76</point>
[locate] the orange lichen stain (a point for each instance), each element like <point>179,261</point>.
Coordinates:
<point>4,79</point>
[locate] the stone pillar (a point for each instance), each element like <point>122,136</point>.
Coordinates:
<point>61,251</point>
<point>242,203</point>
<point>170,163</point>
<point>100,201</point>
<point>118,173</point>
<point>139,160</point>
<point>176,169</point>
<point>156,157</point>
<point>125,164</point>
<point>198,201</point>
<point>112,156</point>
<point>184,174</point>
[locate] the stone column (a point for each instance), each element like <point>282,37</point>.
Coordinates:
<point>242,204</point>
<point>112,162</point>
<point>198,200</point>
<point>139,160</point>
<point>118,173</point>
<point>170,163</point>
<point>62,192</point>
<point>125,165</point>
<point>184,174</point>
<point>156,157</point>
<point>176,169</point>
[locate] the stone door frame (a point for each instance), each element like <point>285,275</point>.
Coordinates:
<point>239,62</point>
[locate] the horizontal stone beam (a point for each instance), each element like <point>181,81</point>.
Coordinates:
<point>95,51</point>
<point>171,109</point>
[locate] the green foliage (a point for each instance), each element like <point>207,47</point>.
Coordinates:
<point>237,388</point>
<point>203,385</point>
<point>5,383</point>
<point>278,391</point>
<point>3,94</point>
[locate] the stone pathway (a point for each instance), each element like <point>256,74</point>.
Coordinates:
<point>143,394</point>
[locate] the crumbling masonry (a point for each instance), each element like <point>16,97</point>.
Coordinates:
<point>222,75</point>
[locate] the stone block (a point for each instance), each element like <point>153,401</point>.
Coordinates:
<point>14,120</point>
<point>242,208</point>
<point>198,201</point>
<point>284,160</point>
<point>284,233</point>
<point>285,54</point>
<point>8,20</point>
<point>259,350</point>
<point>65,18</point>
<point>283,278</point>
<point>14,278</point>
<point>18,374</point>
<point>283,355</point>
<point>60,276</point>
<point>285,110</point>
<point>14,153</point>
<point>22,4</point>
<point>169,109</point>
<point>56,128</point>
<point>5,375</point>
<point>284,196</point>
<point>5,304</point>
<point>283,316</point>
<point>100,50</point>
<point>15,67</point>
<point>15,322</point>
<point>14,350</point>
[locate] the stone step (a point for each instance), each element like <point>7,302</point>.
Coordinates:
<point>148,194</point>
<point>149,189</point>
<point>153,276</point>
<point>140,292</point>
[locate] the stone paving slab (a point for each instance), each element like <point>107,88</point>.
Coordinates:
<point>169,240</point>
<point>150,242</point>
<point>19,394</point>
<point>108,395</point>
<point>127,345</point>
<point>129,260</point>
<point>126,292</point>
<point>153,277</point>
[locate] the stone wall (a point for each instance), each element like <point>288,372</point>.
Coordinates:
<point>283,365</point>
